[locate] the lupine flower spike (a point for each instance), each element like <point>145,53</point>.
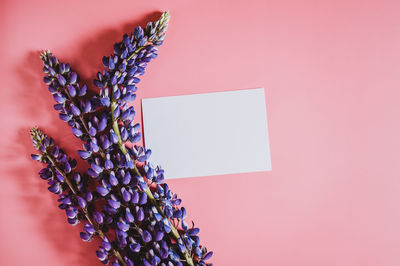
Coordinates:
<point>137,217</point>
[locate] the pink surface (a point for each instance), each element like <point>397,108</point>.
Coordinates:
<point>332,74</point>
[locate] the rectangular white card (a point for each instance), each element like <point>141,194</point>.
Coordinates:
<point>208,134</point>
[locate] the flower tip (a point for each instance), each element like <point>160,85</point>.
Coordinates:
<point>37,137</point>
<point>45,54</point>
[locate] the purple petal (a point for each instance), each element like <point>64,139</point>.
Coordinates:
<point>61,80</point>
<point>108,164</point>
<point>73,78</point>
<point>102,191</point>
<point>71,90</point>
<point>113,180</point>
<point>98,217</point>
<point>75,110</point>
<point>208,256</point>
<point>77,132</point>
<point>82,202</point>
<point>113,203</point>
<point>146,236</point>
<point>129,216</point>
<point>82,90</point>
<point>126,195</point>
<point>84,154</point>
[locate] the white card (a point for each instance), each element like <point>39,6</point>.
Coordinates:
<point>208,134</point>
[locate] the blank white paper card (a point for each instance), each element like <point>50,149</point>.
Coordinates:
<point>208,134</point>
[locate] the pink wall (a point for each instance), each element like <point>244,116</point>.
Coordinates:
<point>332,74</point>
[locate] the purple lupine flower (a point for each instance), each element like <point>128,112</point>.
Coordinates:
<point>105,122</point>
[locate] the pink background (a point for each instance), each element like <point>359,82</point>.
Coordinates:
<point>332,77</point>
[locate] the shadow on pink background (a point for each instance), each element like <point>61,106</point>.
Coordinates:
<point>331,72</point>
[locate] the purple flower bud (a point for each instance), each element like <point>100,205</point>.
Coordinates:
<point>105,143</point>
<point>87,107</point>
<point>66,200</point>
<point>113,80</point>
<point>96,168</point>
<point>71,212</point>
<point>208,256</point>
<point>73,78</point>
<point>114,204</point>
<point>113,136</point>
<point>193,231</point>
<point>102,191</point>
<point>129,97</point>
<point>61,80</point>
<point>102,123</point>
<point>106,244</point>
<point>101,255</point>
<point>60,177</point>
<point>98,83</point>
<point>77,132</point>
<point>105,101</point>
<point>92,131</point>
<point>108,164</point>
<point>92,173</point>
<point>167,225</point>
<point>117,94</point>
<point>65,117</point>
<point>88,228</point>
<point>82,202</point>
<point>127,178</point>
<point>71,90</point>
<point>84,154</point>
<point>123,226</point>
<point>135,247</point>
<point>93,146</point>
<point>143,199</point>
<point>136,137</point>
<point>155,260</point>
<point>113,179</point>
<point>59,98</point>
<point>58,107</point>
<point>36,157</point>
<point>67,167</point>
<point>177,214</point>
<point>61,68</point>
<point>77,178</point>
<point>116,112</point>
<point>75,110</point>
<point>146,236</point>
<point>128,216</point>
<point>143,185</point>
<point>98,217</point>
<point>85,236</point>
<point>82,90</point>
<point>124,134</point>
<point>184,214</point>
<point>135,197</point>
<point>159,235</point>
<point>73,221</point>
<point>140,214</point>
<point>111,64</point>
<point>55,188</point>
<point>125,194</point>
<point>89,196</point>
